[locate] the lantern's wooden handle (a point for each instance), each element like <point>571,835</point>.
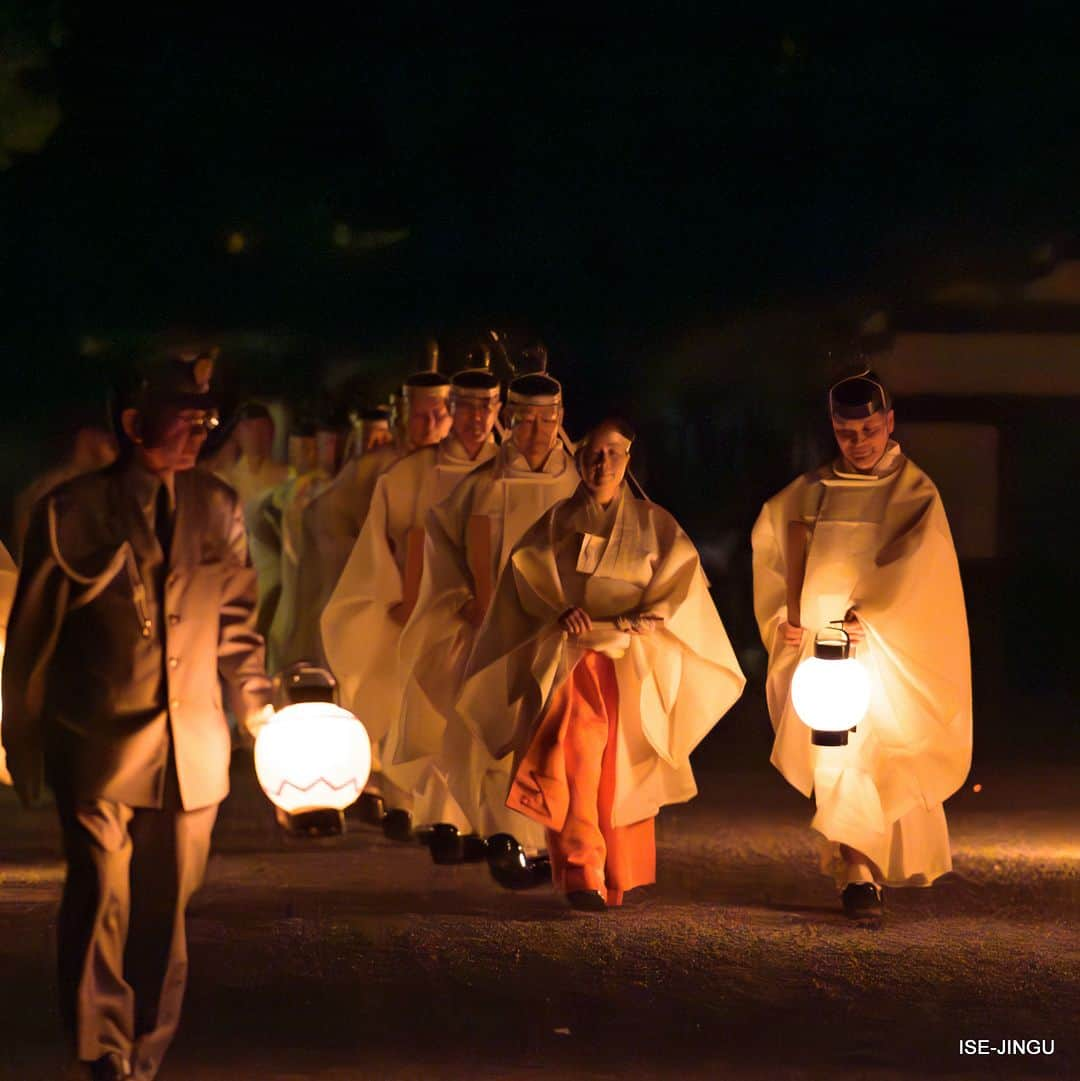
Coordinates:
<point>797,541</point>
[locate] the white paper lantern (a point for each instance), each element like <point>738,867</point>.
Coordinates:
<point>830,692</point>
<point>312,756</point>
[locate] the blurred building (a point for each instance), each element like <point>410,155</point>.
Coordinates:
<point>987,375</point>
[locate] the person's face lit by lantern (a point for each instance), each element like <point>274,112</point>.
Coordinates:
<point>427,419</point>
<point>375,434</point>
<point>474,419</point>
<point>534,430</point>
<point>169,439</point>
<point>255,435</point>
<point>862,442</point>
<point>603,462</point>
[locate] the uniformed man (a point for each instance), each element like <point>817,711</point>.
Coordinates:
<point>135,604</point>
<point>377,590</point>
<point>864,542</point>
<point>469,538</point>
<point>91,447</point>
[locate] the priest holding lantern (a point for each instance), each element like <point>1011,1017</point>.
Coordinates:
<point>601,665</point>
<point>858,599</point>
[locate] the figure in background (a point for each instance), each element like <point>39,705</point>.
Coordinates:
<point>601,665</point>
<point>255,475</point>
<point>135,605</point>
<point>91,447</point>
<point>333,519</point>
<point>369,430</point>
<point>865,541</point>
<point>469,538</point>
<point>313,458</point>
<point>377,591</point>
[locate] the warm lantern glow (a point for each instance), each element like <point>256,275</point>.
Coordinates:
<point>312,756</point>
<point>830,695</point>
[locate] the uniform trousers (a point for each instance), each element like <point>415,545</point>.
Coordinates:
<point>122,947</point>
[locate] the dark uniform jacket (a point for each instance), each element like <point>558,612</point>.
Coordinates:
<point>116,655</point>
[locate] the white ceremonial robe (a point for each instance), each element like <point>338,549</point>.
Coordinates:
<point>469,539</point>
<point>359,630</point>
<point>294,497</point>
<point>879,544</point>
<point>257,491</point>
<point>8,576</point>
<point>674,683</point>
<point>330,524</point>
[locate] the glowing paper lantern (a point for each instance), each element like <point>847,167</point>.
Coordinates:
<point>830,692</point>
<point>312,756</point>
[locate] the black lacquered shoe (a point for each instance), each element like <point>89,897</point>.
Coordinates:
<point>446,844</point>
<point>587,900</point>
<point>397,825</point>
<point>511,868</point>
<point>326,822</point>
<point>110,1067</point>
<point>474,848</point>
<point>862,900</point>
<point>541,869</point>
<point>371,808</point>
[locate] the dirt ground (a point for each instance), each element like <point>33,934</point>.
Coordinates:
<point>357,958</point>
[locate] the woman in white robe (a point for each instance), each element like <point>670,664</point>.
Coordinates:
<point>602,664</point>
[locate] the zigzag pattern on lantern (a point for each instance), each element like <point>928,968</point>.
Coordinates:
<point>319,780</point>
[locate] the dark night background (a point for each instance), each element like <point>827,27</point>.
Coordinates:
<point>691,214</point>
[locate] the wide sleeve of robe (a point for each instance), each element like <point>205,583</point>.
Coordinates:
<point>908,595</point>
<point>674,684</point>
<point>358,635</point>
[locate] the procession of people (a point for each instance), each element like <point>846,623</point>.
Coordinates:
<point>530,643</point>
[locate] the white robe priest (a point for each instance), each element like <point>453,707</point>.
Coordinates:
<point>469,539</point>
<point>373,598</point>
<point>879,544</point>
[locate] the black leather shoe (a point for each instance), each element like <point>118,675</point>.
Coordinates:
<point>110,1067</point>
<point>371,808</point>
<point>511,868</point>
<point>397,825</point>
<point>446,844</point>
<point>540,866</point>
<point>327,822</point>
<point>862,900</point>
<point>474,848</point>
<point>587,900</point>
